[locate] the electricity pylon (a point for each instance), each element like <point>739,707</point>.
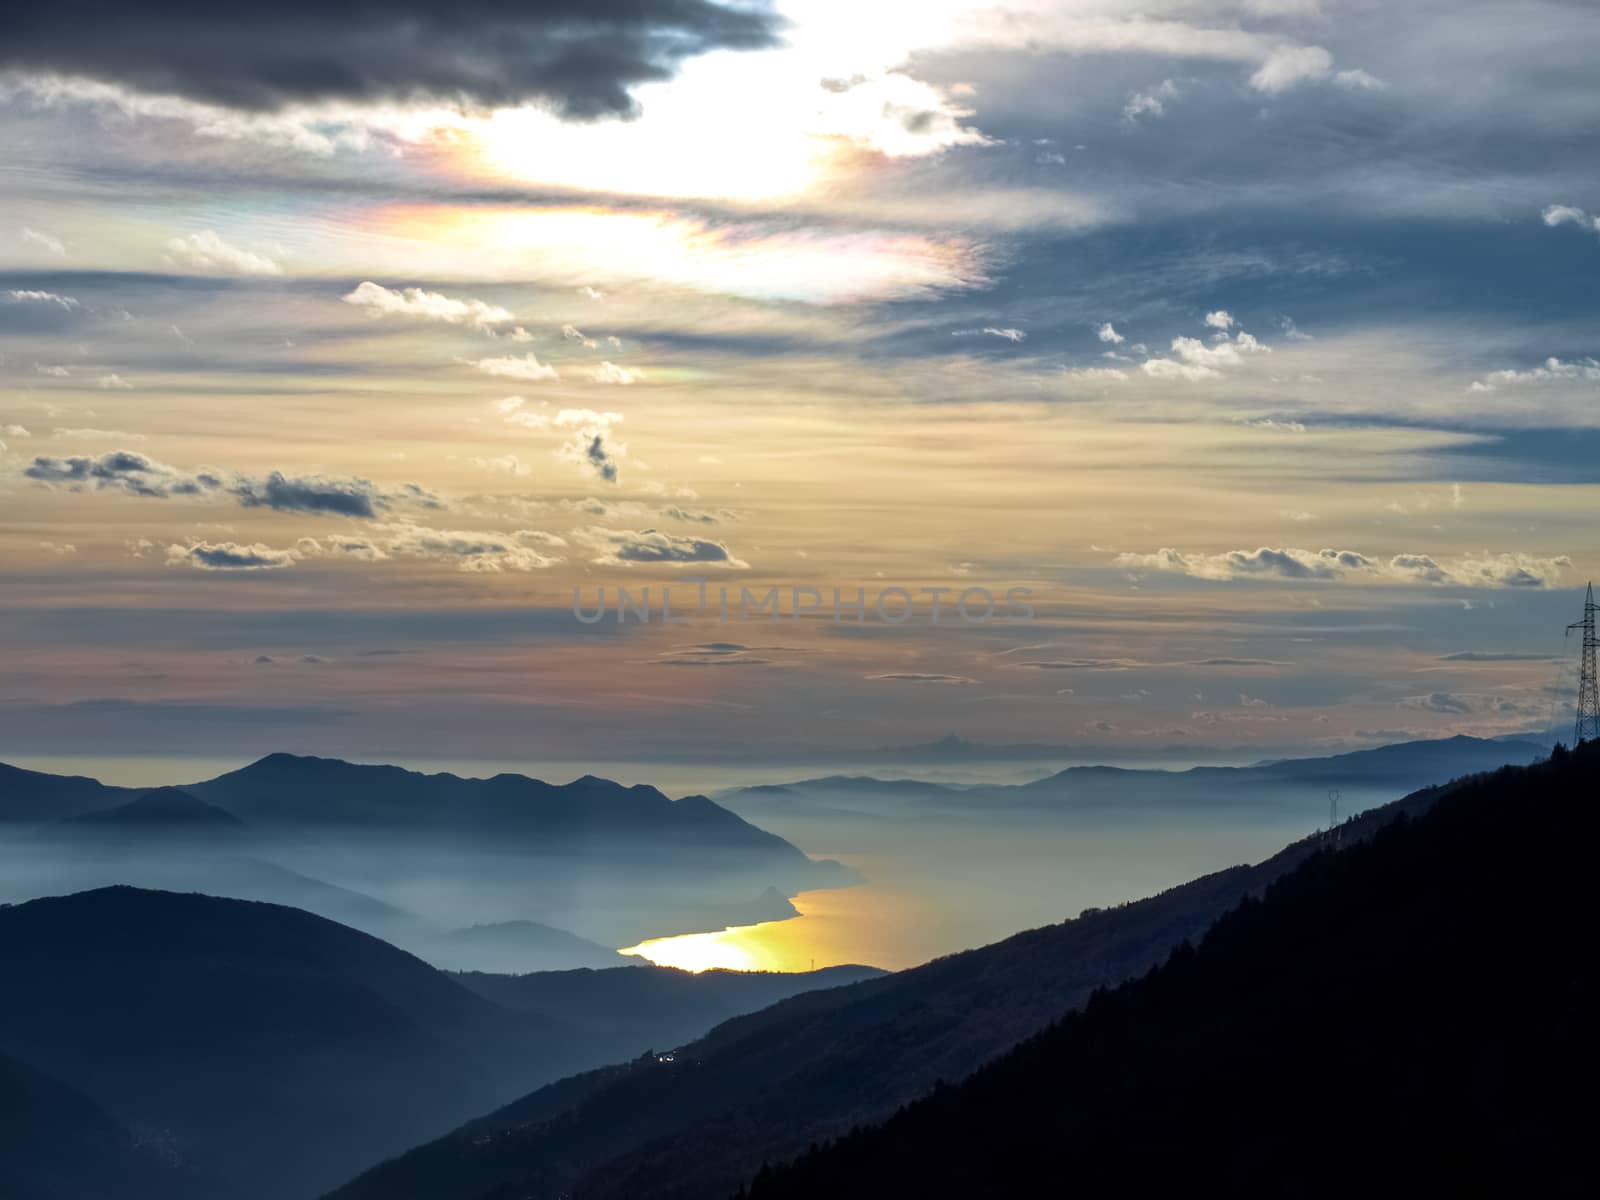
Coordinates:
<point>1588,682</point>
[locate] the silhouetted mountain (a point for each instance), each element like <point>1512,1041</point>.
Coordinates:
<point>281,1052</point>
<point>1368,775</point>
<point>764,1086</point>
<point>239,1029</point>
<point>58,1144</point>
<point>662,1006</point>
<point>32,796</point>
<point>167,812</point>
<point>1406,1016</point>
<point>519,947</point>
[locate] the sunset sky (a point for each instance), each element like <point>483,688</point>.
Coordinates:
<point>1260,339</point>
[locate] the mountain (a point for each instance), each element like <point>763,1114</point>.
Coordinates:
<point>1366,774</point>
<point>658,1007</point>
<point>164,812</point>
<point>238,1028</point>
<point>33,796</point>
<point>1408,1015</point>
<point>280,1052</point>
<point>764,1086</point>
<point>58,1144</point>
<point>286,789</point>
<point>518,947</point>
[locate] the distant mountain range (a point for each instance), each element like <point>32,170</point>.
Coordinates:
<point>512,854</point>
<point>275,1052</point>
<point>1378,773</point>
<point>1406,1017</point>
<point>761,1088</point>
<point>952,749</point>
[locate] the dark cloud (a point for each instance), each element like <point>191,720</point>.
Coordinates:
<point>600,458</point>
<point>122,470</point>
<point>312,494</point>
<point>628,546</point>
<point>579,57</point>
<point>1485,656</point>
<point>229,556</point>
<point>921,677</point>
<point>140,475</point>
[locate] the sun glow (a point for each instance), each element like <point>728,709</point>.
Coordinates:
<point>615,246</point>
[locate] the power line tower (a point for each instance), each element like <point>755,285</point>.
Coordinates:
<point>1588,681</point>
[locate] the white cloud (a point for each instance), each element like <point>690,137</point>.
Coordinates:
<point>1096,375</point>
<point>1357,80</point>
<point>1108,333</point>
<point>608,372</point>
<point>206,251</point>
<point>1554,370</point>
<point>379,301</point>
<point>1297,565</point>
<point>1152,103</point>
<point>53,244</point>
<point>525,367</point>
<point>24,296</point>
<point>1565,214</point>
<point>114,383</point>
<point>1010,335</point>
<point>573,334</point>
<point>1221,319</point>
<point>1195,360</point>
<point>1287,66</point>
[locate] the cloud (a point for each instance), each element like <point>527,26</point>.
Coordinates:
<point>525,367</point>
<point>572,333</point>
<point>608,372</point>
<point>1082,664</point>
<point>140,475</point>
<point>379,301</point>
<point>318,494</point>
<point>229,556</point>
<point>1357,80</point>
<point>123,470</point>
<point>1195,360</point>
<point>481,553</point>
<point>1221,319</point>
<point>23,296</point>
<point>921,677</point>
<point>1010,335</point>
<point>1489,656</point>
<point>1471,703</point>
<point>113,383</point>
<point>580,60</point>
<point>53,244</point>
<point>1152,103</point>
<point>1564,214</point>
<point>627,547</point>
<point>1287,66</point>
<point>590,445</point>
<point>1108,333</point>
<point>1095,375</point>
<point>1295,565</point>
<point>206,251</point>
<point>1553,371</point>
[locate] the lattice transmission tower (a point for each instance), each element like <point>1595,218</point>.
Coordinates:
<point>1588,682</point>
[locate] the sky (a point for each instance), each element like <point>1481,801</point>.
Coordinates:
<point>346,356</point>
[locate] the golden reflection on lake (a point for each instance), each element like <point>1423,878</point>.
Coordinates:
<point>865,925</point>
